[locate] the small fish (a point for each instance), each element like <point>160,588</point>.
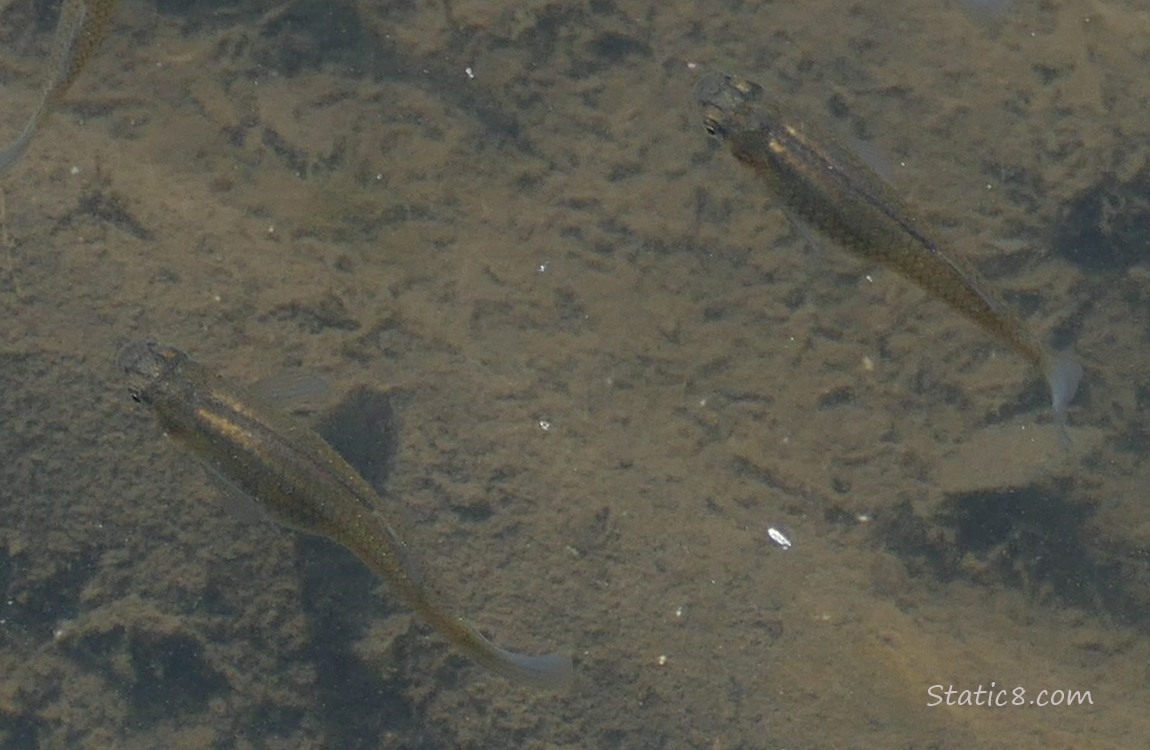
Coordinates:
<point>832,190</point>
<point>79,31</point>
<point>292,473</point>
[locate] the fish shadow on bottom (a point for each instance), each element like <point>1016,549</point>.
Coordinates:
<point>1038,538</point>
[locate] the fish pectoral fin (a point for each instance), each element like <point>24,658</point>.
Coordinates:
<point>294,391</point>
<point>242,505</point>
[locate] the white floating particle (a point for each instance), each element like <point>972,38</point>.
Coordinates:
<point>780,535</point>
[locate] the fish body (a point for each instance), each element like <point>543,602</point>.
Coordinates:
<point>79,32</point>
<point>835,192</point>
<point>290,471</point>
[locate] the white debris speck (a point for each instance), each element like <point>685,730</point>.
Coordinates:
<point>780,535</point>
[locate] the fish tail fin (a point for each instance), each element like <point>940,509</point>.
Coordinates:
<point>547,672</point>
<point>68,31</point>
<point>1063,374</point>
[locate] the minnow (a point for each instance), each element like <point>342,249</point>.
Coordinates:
<point>291,472</point>
<point>832,190</point>
<point>79,31</point>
